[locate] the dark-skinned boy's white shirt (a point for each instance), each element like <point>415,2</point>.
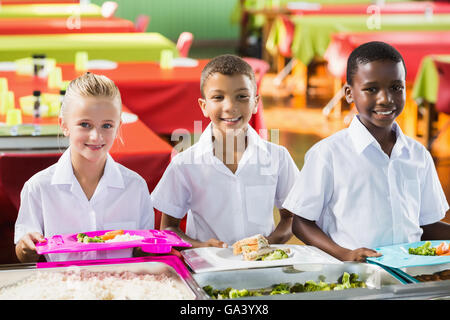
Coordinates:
<point>361,197</point>
<point>220,204</point>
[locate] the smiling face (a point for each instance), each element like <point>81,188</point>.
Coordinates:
<point>92,124</point>
<point>230,101</point>
<point>379,93</point>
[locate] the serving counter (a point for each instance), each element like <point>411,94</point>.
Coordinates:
<point>380,284</point>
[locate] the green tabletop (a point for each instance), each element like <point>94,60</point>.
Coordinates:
<point>110,46</point>
<point>313,33</point>
<point>59,10</point>
<point>427,80</point>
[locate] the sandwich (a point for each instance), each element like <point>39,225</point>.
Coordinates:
<point>250,244</point>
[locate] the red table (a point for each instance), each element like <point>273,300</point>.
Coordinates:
<point>413,46</point>
<point>407,7</point>
<point>165,100</point>
<point>63,25</point>
<point>143,151</point>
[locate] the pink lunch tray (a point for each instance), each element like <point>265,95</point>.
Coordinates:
<point>155,241</point>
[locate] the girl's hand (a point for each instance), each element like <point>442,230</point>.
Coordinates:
<point>214,243</point>
<point>360,254</point>
<point>26,248</point>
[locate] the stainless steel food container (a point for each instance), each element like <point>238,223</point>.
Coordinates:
<point>378,281</point>
<point>186,284</point>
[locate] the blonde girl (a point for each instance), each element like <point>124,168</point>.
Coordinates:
<point>86,189</point>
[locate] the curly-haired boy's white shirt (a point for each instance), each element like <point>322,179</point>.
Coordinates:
<point>220,204</point>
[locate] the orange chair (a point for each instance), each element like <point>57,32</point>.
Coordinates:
<point>141,23</point>
<point>260,67</point>
<point>443,96</point>
<point>184,43</point>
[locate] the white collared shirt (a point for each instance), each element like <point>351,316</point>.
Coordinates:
<point>362,198</point>
<point>53,203</point>
<point>220,204</point>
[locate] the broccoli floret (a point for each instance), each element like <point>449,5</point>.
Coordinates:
<point>311,286</point>
<point>297,287</point>
<point>80,237</point>
<point>243,293</point>
<point>209,290</point>
<point>281,287</point>
<point>233,294</point>
<point>256,293</point>
<point>274,292</point>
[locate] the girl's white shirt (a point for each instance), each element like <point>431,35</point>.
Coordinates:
<point>53,203</point>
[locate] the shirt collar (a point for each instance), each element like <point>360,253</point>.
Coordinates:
<point>362,138</point>
<point>205,144</point>
<point>112,177</point>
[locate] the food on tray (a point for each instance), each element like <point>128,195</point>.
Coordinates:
<point>443,249</point>
<point>437,276</point>
<point>90,285</point>
<point>257,248</point>
<point>110,236</point>
<point>249,244</point>
<point>346,281</point>
<point>81,237</point>
<point>427,250</point>
<point>267,254</point>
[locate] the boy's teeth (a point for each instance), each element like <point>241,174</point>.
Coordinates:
<point>383,112</point>
<point>231,120</point>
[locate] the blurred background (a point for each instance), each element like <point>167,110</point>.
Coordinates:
<point>155,50</point>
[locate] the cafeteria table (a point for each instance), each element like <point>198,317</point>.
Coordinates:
<point>412,45</point>
<point>313,33</point>
<point>51,10</point>
<point>136,46</point>
<point>165,100</point>
<point>10,26</point>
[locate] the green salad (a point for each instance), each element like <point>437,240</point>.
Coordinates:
<point>346,281</point>
<point>424,250</point>
<point>81,237</point>
<point>276,255</point>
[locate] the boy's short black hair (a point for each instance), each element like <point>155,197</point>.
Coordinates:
<point>227,64</point>
<point>369,52</point>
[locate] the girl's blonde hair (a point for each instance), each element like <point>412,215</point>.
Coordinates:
<point>90,85</point>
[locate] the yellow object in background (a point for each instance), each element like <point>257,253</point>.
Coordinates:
<point>3,102</point>
<point>3,84</point>
<point>166,61</point>
<point>54,80</point>
<point>6,102</point>
<point>24,66</point>
<point>50,105</point>
<point>11,100</point>
<point>13,117</point>
<point>81,61</point>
